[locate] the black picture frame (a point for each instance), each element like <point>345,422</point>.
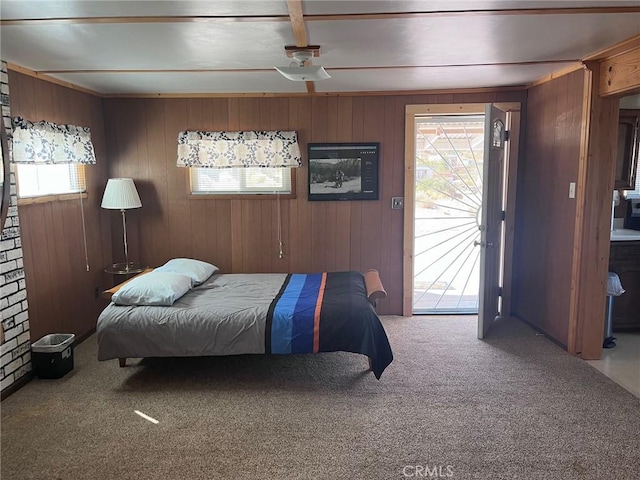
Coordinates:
<point>343,171</point>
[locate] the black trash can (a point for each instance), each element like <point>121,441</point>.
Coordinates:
<point>52,355</point>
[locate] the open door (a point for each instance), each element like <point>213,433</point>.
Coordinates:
<point>492,218</point>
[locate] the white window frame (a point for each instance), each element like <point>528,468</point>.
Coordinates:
<point>244,190</point>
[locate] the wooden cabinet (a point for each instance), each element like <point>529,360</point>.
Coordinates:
<point>628,146</point>
<point>624,260</point>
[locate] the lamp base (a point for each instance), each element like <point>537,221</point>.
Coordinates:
<point>124,268</point>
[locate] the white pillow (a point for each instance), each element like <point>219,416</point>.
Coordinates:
<point>197,270</point>
<point>153,288</point>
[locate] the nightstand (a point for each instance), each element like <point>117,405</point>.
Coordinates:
<point>121,272</point>
<point>130,268</point>
<point>120,269</point>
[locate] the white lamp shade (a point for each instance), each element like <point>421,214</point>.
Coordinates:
<point>121,194</point>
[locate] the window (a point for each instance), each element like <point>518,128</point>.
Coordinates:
<point>251,180</point>
<point>37,180</point>
<point>635,193</point>
<point>50,158</point>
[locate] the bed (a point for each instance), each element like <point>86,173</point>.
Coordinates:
<point>260,313</point>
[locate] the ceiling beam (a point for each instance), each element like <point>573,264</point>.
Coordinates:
<point>297,22</point>
<point>156,19</point>
<point>619,72</point>
<point>47,78</point>
<point>376,93</point>
<point>296,11</point>
<point>299,31</point>
<point>469,13</point>
<point>381,67</point>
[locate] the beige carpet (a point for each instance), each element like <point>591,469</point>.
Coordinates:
<point>512,407</point>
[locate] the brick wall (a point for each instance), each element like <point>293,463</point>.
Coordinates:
<point>15,352</point>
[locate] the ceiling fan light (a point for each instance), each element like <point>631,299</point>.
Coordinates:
<point>304,74</point>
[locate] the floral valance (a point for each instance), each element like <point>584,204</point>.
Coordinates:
<point>46,142</point>
<point>238,149</point>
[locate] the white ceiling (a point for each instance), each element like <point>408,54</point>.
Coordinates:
<point>230,47</point>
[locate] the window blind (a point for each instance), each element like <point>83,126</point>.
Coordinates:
<point>252,180</point>
<point>35,180</point>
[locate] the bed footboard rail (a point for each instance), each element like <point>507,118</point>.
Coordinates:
<point>373,284</point>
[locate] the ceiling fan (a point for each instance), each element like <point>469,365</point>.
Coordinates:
<point>298,71</point>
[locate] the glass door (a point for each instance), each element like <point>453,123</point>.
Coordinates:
<point>449,151</point>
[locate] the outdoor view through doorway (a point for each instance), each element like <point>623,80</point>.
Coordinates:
<point>449,151</point>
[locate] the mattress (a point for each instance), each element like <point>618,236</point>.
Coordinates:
<point>233,314</point>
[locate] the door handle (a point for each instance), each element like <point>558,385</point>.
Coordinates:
<point>483,244</point>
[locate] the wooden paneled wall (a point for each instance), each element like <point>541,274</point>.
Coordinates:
<point>241,235</point>
<point>545,215</point>
<point>60,292</point>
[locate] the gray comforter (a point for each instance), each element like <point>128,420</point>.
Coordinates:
<point>223,316</point>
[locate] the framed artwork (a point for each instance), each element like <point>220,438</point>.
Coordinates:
<point>343,171</point>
